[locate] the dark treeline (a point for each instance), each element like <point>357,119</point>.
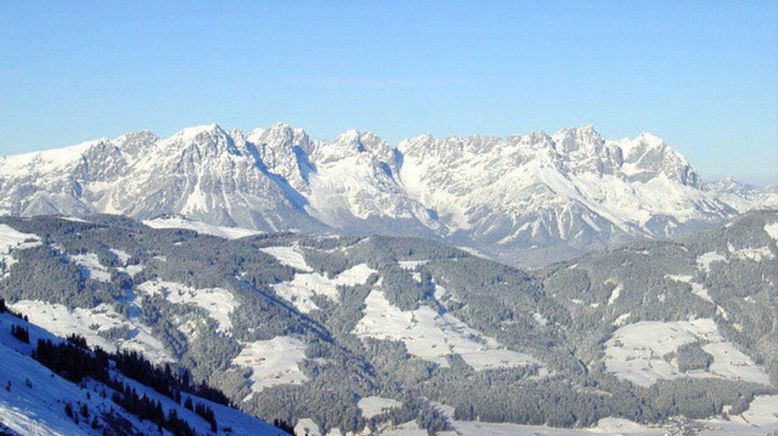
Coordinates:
<point>5,309</point>
<point>163,380</point>
<point>72,360</point>
<point>146,408</point>
<point>20,333</point>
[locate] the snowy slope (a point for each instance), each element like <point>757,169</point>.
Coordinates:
<point>522,199</point>
<point>33,399</point>
<point>200,227</point>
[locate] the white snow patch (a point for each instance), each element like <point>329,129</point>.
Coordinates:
<point>289,256</point>
<point>635,353</point>
<point>539,318</point>
<point>763,410</point>
<point>760,418</point>
<point>11,239</point>
<point>440,291</point>
<point>272,362</point>
<point>200,227</point>
<point>772,230</point>
<point>432,336</point>
<point>612,426</point>
<point>74,219</point>
<point>372,406</point>
<point>303,287</point>
<point>306,426</point>
<point>122,255</point>
<point>750,253</point>
<point>697,288</point>
<point>705,260</point>
<point>91,267</point>
<point>218,302</point>
<point>411,264</point>
<point>621,319</point>
<point>615,294</point>
<point>89,323</point>
<point>132,270</point>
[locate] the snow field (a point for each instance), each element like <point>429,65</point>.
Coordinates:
<point>303,287</point>
<point>89,323</point>
<point>636,353</point>
<point>705,260</point>
<point>373,406</point>
<point>218,302</point>
<point>91,267</point>
<point>11,239</point>
<point>750,253</point>
<point>272,362</point>
<point>289,256</point>
<point>431,336</point>
<point>200,227</point>
<point>411,264</point>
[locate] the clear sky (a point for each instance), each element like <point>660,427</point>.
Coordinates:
<point>703,75</point>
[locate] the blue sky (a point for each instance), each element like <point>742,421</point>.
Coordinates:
<point>703,75</point>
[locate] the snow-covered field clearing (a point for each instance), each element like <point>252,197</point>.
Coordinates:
<point>615,293</point>
<point>705,260</point>
<point>304,286</point>
<point>200,227</point>
<point>772,230</point>
<point>306,426</point>
<point>761,418</point>
<point>124,257</point>
<point>751,253</point>
<point>289,256</point>
<point>612,426</point>
<point>636,353</point>
<point>11,239</point>
<point>89,323</point>
<point>372,406</point>
<point>696,288</point>
<point>272,362</point>
<point>411,264</point>
<point>432,336</point>
<point>91,267</point>
<point>218,302</point>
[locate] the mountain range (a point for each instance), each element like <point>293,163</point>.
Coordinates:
<point>523,200</point>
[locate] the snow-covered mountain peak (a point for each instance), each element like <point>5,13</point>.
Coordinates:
<point>279,136</point>
<point>353,142</point>
<point>132,142</point>
<point>47,160</point>
<point>203,140</point>
<point>728,184</point>
<point>573,139</point>
<point>189,134</point>
<point>647,156</point>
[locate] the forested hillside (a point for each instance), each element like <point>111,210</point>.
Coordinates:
<point>377,333</point>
